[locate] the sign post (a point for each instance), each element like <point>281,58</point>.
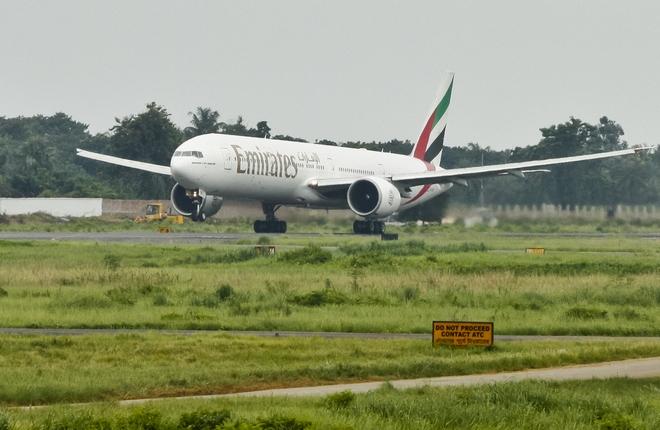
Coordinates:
<point>462,333</point>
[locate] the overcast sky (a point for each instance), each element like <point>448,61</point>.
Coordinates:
<point>342,70</point>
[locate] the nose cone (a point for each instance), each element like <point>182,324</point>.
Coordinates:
<point>184,172</point>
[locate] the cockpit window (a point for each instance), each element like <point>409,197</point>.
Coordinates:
<point>195,154</point>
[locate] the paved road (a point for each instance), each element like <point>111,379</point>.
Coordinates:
<point>155,237</point>
<point>636,368</point>
<point>324,334</point>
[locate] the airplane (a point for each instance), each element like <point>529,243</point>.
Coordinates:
<point>374,185</point>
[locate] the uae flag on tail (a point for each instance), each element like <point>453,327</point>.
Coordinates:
<point>431,141</point>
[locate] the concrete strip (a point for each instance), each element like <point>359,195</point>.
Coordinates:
<point>143,236</point>
<point>636,368</point>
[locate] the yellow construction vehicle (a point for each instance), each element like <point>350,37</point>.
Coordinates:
<point>156,212</point>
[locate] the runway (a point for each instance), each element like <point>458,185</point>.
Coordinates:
<point>308,334</point>
<point>139,236</point>
<point>143,236</point>
<point>130,236</point>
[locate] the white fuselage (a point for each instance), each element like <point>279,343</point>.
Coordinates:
<point>277,171</point>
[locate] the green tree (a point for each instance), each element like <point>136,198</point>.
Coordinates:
<point>569,185</point>
<point>204,120</point>
<point>38,157</point>
<point>240,129</point>
<point>149,136</point>
<point>263,130</point>
<point>288,138</point>
<point>394,146</point>
<point>235,129</point>
<point>326,142</point>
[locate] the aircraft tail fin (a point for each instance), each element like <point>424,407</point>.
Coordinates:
<point>431,141</point>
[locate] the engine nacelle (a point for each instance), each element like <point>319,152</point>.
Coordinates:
<point>373,197</point>
<point>184,204</point>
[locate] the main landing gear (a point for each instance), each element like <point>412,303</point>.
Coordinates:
<point>271,224</point>
<point>368,227</point>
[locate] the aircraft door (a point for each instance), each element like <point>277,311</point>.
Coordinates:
<point>228,162</point>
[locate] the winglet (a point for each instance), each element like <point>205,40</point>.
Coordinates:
<point>639,149</point>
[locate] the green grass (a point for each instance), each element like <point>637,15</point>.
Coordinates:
<point>587,285</point>
<point>620,404</point>
<point>360,286</point>
<point>42,369</point>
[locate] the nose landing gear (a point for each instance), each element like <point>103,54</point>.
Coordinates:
<point>368,227</point>
<point>197,201</point>
<point>198,215</point>
<point>271,224</point>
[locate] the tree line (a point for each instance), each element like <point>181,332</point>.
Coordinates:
<point>37,158</point>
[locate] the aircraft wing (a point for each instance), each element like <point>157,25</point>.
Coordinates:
<point>147,167</point>
<point>516,169</point>
<point>461,175</point>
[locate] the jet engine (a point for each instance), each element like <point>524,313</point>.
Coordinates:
<point>373,197</point>
<point>197,206</point>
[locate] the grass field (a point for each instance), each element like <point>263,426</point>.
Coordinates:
<point>619,404</point>
<point>42,370</point>
<point>608,286</point>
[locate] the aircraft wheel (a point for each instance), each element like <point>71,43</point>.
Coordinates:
<point>362,227</point>
<point>197,214</point>
<point>368,227</point>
